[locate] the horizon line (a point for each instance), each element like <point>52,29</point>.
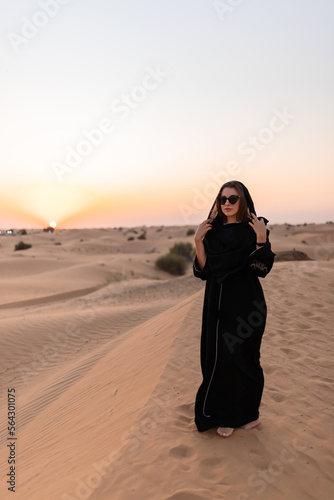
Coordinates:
<point>150,226</point>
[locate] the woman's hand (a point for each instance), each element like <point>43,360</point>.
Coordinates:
<point>202,229</point>
<point>259,227</point>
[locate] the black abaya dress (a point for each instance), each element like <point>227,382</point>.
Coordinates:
<point>233,322</point>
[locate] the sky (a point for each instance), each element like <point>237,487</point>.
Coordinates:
<point>119,113</point>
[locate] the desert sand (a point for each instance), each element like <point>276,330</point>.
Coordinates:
<point>102,350</point>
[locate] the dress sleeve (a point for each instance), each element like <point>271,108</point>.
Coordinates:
<point>200,273</point>
<point>261,260</point>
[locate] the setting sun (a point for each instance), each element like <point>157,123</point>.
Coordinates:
<point>52,224</point>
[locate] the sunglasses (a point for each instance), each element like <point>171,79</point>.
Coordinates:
<point>232,199</point>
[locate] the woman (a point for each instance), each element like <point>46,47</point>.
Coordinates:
<point>232,251</point>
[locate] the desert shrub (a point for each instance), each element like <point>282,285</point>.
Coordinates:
<point>130,238</point>
<point>142,236</point>
<point>172,263</point>
<point>186,250</point>
<point>289,255</point>
<point>23,231</point>
<point>22,246</point>
<point>190,232</point>
<point>57,243</point>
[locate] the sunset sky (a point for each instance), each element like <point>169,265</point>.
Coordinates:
<point>121,113</point>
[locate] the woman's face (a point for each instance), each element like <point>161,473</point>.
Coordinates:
<point>228,209</point>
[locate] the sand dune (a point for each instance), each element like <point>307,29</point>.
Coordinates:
<point>103,352</point>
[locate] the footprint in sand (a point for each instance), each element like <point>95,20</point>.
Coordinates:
<point>259,458</point>
<point>211,468</point>
<point>275,395</point>
<point>269,369</point>
<point>182,451</point>
<point>186,409</point>
<point>278,397</point>
<point>185,415</point>
<point>186,495</point>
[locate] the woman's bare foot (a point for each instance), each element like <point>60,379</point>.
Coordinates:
<point>225,431</point>
<point>250,425</point>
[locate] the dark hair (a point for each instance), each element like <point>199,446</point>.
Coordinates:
<point>243,214</point>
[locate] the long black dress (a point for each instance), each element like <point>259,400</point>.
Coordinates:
<point>233,322</point>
